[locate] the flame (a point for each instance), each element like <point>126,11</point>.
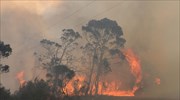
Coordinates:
<point>78,85</point>
<point>134,64</point>
<point>110,88</point>
<point>75,84</point>
<point>20,77</point>
<point>135,68</point>
<point>157,81</point>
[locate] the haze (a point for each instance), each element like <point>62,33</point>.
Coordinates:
<point>151,29</point>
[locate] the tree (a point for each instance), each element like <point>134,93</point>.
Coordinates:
<point>35,90</point>
<point>57,58</point>
<point>59,78</point>
<point>59,53</point>
<point>4,93</point>
<point>5,51</point>
<point>104,39</point>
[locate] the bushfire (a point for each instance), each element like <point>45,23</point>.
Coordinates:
<point>111,88</point>
<point>105,88</point>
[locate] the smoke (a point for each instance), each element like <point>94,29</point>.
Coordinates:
<point>22,29</point>
<point>151,29</point>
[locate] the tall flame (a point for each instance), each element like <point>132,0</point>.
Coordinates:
<point>111,88</point>
<point>134,64</point>
<point>135,68</point>
<point>20,77</point>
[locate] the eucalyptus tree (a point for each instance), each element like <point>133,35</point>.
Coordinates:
<point>103,39</point>
<point>57,58</point>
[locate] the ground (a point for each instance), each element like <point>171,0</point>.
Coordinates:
<point>113,98</point>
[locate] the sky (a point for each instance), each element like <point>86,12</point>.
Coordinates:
<point>151,29</point>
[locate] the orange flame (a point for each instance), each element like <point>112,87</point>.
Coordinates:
<point>134,64</point>
<point>20,77</point>
<point>135,68</point>
<point>111,88</point>
<point>157,81</point>
<point>76,83</point>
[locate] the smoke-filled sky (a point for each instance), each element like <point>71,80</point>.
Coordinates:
<point>151,29</point>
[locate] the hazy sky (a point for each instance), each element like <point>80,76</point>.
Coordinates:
<point>151,29</point>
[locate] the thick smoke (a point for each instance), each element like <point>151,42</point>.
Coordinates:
<point>22,29</point>
<point>151,29</point>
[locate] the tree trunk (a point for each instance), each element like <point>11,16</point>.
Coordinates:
<point>98,74</point>
<point>90,77</point>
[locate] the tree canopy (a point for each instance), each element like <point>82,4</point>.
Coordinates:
<point>5,51</point>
